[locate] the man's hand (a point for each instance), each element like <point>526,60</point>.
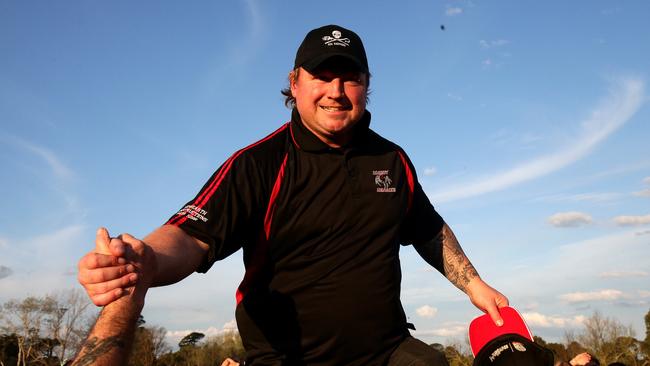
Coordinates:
<point>113,266</point>
<point>581,359</point>
<point>487,299</point>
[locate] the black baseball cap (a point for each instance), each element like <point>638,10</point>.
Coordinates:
<point>329,41</point>
<point>513,350</point>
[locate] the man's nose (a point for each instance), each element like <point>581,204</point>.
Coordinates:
<point>336,88</point>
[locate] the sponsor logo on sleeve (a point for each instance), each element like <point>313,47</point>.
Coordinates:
<point>193,213</point>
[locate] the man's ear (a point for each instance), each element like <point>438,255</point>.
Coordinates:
<point>293,79</point>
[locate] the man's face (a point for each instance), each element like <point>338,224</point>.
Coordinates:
<point>331,100</point>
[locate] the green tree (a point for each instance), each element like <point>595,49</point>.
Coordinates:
<point>26,319</point>
<point>458,353</point>
<point>48,329</point>
<point>8,350</point>
<point>559,350</point>
<point>191,339</point>
<point>149,346</point>
<point>608,339</point>
<point>645,345</point>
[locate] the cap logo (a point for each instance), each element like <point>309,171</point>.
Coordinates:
<point>508,346</point>
<point>519,347</point>
<point>336,40</point>
<point>497,352</point>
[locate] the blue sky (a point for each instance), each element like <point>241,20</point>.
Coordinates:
<point>527,122</point>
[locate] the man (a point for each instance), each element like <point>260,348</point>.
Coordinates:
<point>320,208</point>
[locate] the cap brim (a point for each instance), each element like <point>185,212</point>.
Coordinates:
<point>482,329</point>
<point>314,63</point>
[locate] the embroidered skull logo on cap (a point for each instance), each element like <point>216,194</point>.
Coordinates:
<point>329,41</point>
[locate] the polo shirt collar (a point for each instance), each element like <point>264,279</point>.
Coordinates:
<point>307,141</point>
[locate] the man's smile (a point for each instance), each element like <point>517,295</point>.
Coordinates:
<point>335,108</point>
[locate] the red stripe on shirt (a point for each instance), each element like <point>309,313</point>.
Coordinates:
<point>409,179</point>
<point>256,269</point>
<point>205,196</point>
<point>268,218</point>
<point>294,138</point>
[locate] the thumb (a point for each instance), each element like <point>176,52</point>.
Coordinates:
<point>102,241</point>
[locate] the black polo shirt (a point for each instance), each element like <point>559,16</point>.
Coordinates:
<point>320,229</point>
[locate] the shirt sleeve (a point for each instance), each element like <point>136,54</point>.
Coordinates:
<point>422,222</point>
<point>225,214</point>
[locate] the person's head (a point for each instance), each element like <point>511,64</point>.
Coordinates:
<point>329,83</point>
<point>593,362</point>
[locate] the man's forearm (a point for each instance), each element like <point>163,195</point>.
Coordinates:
<point>110,339</point>
<point>177,254</point>
<point>445,254</point>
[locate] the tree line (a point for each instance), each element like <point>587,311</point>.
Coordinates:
<point>49,330</point>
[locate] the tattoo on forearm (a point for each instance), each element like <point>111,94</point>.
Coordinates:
<point>457,268</point>
<point>95,348</point>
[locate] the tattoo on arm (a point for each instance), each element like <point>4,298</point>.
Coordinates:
<point>95,348</point>
<point>457,267</point>
<point>445,254</point>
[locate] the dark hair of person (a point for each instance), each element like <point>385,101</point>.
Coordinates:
<point>290,100</point>
<point>593,362</point>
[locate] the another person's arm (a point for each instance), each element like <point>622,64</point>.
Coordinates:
<point>105,275</point>
<point>110,339</point>
<point>445,254</point>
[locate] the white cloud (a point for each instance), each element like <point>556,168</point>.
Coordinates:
<point>569,219</point>
<point>496,43</point>
<point>582,197</point>
<point>446,331</point>
<point>646,180</point>
<point>426,311</point>
<point>38,263</point>
<point>487,62</point>
<point>455,97</point>
<point>643,293</point>
<point>430,171</point>
<point>526,140</point>
<point>643,193</point>
<point>644,232</point>
<point>175,336</point>
<point>530,306</point>
<point>625,99</point>
<point>545,321</point>
<point>59,169</point>
<point>632,220</point>
<point>624,274</point>
<point>592,296</point>
<point>453,11</point>
<point>5,272</point>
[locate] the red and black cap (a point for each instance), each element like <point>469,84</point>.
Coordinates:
<point>511,344</point>
<point>329,41</point>
<point>513,350</point>
<point>482,329</point>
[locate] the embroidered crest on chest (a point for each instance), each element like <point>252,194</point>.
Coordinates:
<point>383,181</point>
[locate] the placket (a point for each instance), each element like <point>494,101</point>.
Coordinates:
<point>352,170</point>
